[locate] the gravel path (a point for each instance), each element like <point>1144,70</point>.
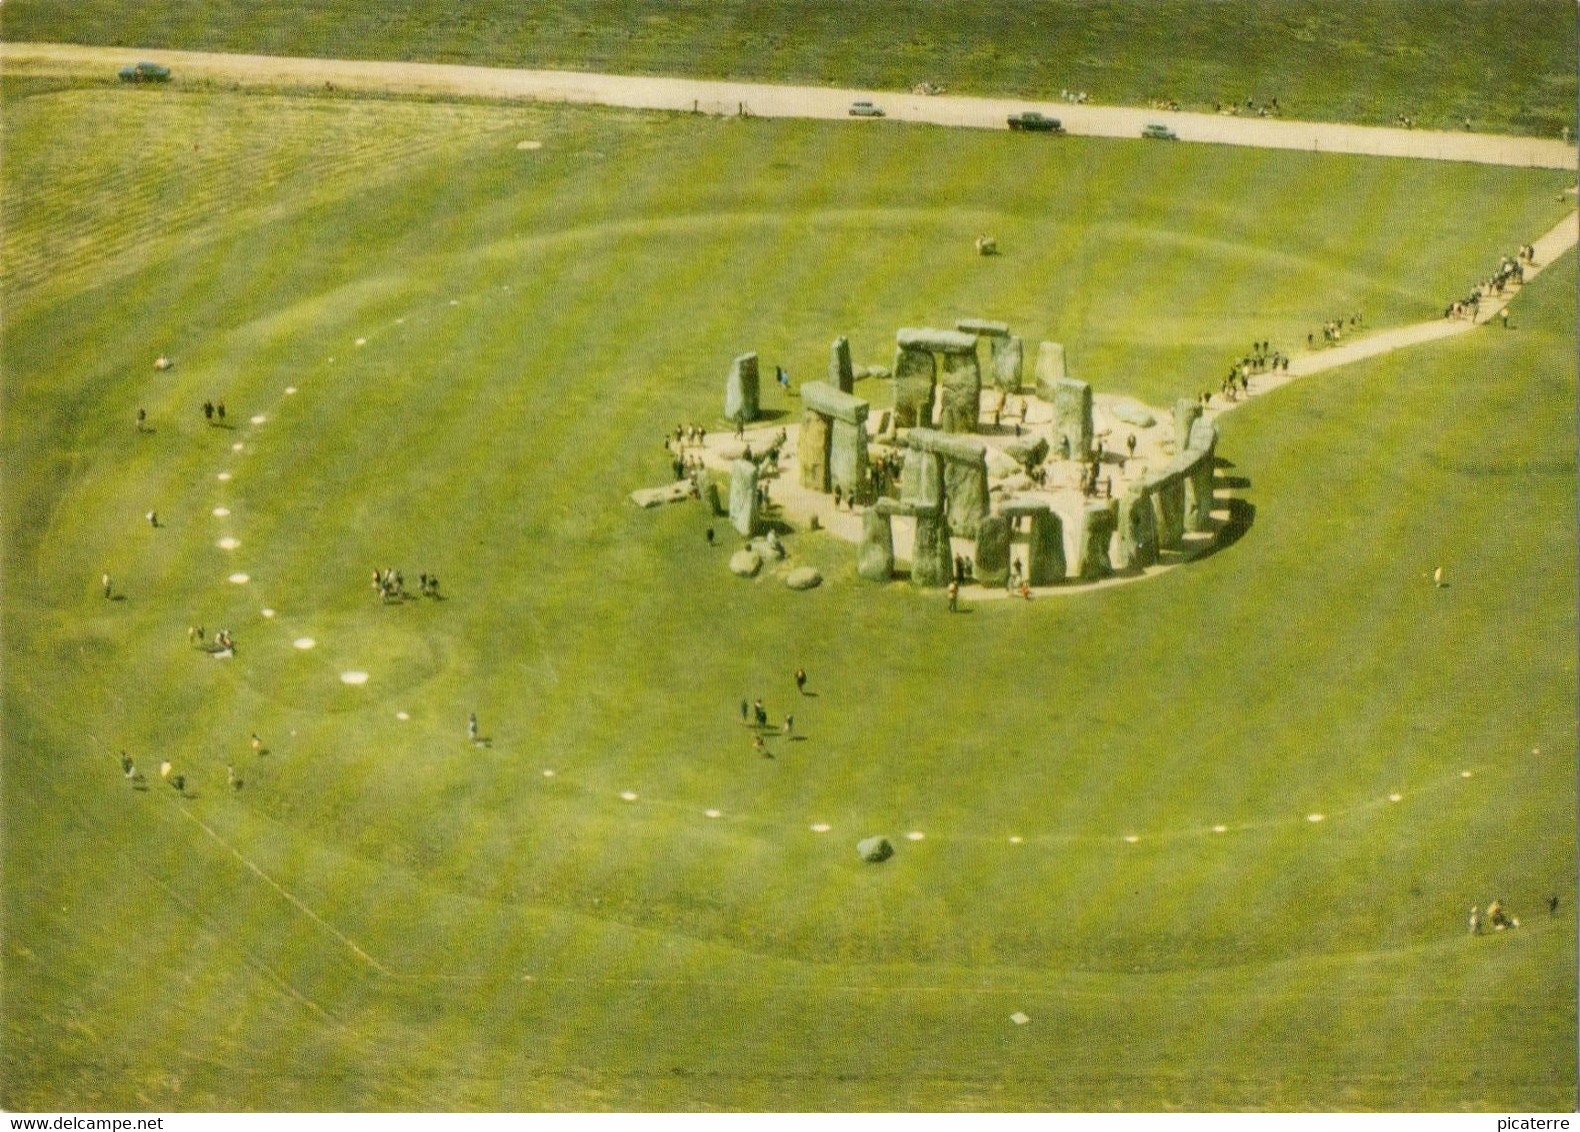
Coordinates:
<point>769,100</point>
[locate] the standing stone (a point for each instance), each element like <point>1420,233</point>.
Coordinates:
<point>1097,530</point>
<point>875,555</point>
<point>1138,530</point>
<point>847,457</point>
<point>922,478</point>
<point>1199,481</point>
<point>914,375</point>
<point>992,556</point>
<point>962,382</point>
<point>743,497</point>
<point>812,451</point>
<point>1050,368</point>
<point>1187,411</point>
<point>1072,416</point>
<point>1045,565</point>
<point>932,559</point>
<point>1168,502</point>
<point>966,488</point>
<point>740,389</point>
<point>1008,357</point>
<point>841,375</point>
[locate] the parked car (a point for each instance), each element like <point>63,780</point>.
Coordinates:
<point>1156,131</point>
<point>1038,123</point>
<point>865,110</point>
<point>145,73</point>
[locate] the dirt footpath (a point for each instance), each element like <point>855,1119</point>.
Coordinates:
<point>769,100</point>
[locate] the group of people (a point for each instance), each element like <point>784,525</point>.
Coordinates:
<point>755,716</point>
<point>1509,274</point>
<point>1076,96</point>
<point>692,434</point>
<point>214,412</point>
<point>390,585</point>
<point>1262,110</point>
<point>197,637</point>
<point>1333,330</point>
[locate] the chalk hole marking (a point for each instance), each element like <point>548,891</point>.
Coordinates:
<point>239,579</point>
<point>223,477</point>
<point>1016,840</point>
<point>258,419</point>
<point>228,543</point>
<point>1314,818</point>
<point>221,512</point>
<point>266,612</point>
<point>628,795</point>
<point>1220,829</point>
<point>1019,1018</point>
<point>915,835</point>
<point>237,447</point>
<point>820,827</point>
<point>529,145</point>
<point>1396,797</point>
<point>353,677</point>
<point>362,341</point>
<point>1131,839</point>
<point>402,716</point>
<point>290,391</point>
<point>304,643</point>
<point>548,772</point>
<point>712,814</point>
<point>1467,774</point>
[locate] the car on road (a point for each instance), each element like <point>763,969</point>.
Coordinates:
<point>865,110</point>
<point>1035,122</point>
<point>1156,131</point>
<point>145,73</point>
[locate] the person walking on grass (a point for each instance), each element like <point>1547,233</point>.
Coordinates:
<point>257,744</point>
<point>954,597</point>
<point>471,727</point>
<point>800,680</point>
<point>232,779</point>
<point>789,725</point>
<point>107,590</point>
<point>142,421</point>
<point>746,714</point>
<point>128,767</point>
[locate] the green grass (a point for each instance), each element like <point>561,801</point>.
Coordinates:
<point>1507,67</point>
<point>534,320</point>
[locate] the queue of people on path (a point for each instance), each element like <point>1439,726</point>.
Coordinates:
<point>1510,274</point>
<point>1333,330</point>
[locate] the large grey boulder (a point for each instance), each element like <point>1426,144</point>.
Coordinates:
<point>1138,530</point>
<point>745,563</point>
<point>1029,451</point>
<point>741,389</point>
<point>1050,368</point>
<point>1133,413</point>
<point>743,497</point>
<point>1008,359</point>
<point>1099,520</point>
<point>841,375</point>
<point>669,493</point>
<point>962,400</point>
<point>915,373</point>
<point>874,850</point>
<point>803,578</point>
<point>1072,416</point>
<point>875,555</point>
<point>992,553</point>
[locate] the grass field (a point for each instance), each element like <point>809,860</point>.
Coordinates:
<point>1507,67</point>
<point>386,917</point>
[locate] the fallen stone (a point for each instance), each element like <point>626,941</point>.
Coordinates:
<point>1039,412</point>
<point>874,850</point>
<point>741,389</point>
<point>1020,481</point>
<point>1133,413</point>
<point>1001,463</point>
<point>803,578</point>
<point>745,563</point>
<point>655,496</point>
<point>1028,451</point>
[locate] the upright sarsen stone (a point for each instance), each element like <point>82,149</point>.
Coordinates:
<point>743,497</point>
<point>847,457</point>
<point>1168,504</point>
<point>915,373</point>
<point>992,554</point>
<point>875,555</point>
<point>1050,368</point>
<point>1008,357</point>
<point>1187,411</point>
<point>932,560</point>
<point>841,375</point>
<point>841,429</point>
<point>922,478</point>
<point>962,382</point>
<point>1097,531</point>
<point>1045,565</point>
<point>966,489</point>
<point>1138,530</point>
<point>812,451</point>
<point>1072,416</point>
<point>740,389</point>
<point>1200,475</point>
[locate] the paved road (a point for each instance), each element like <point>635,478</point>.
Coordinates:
<point>768,100</point>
